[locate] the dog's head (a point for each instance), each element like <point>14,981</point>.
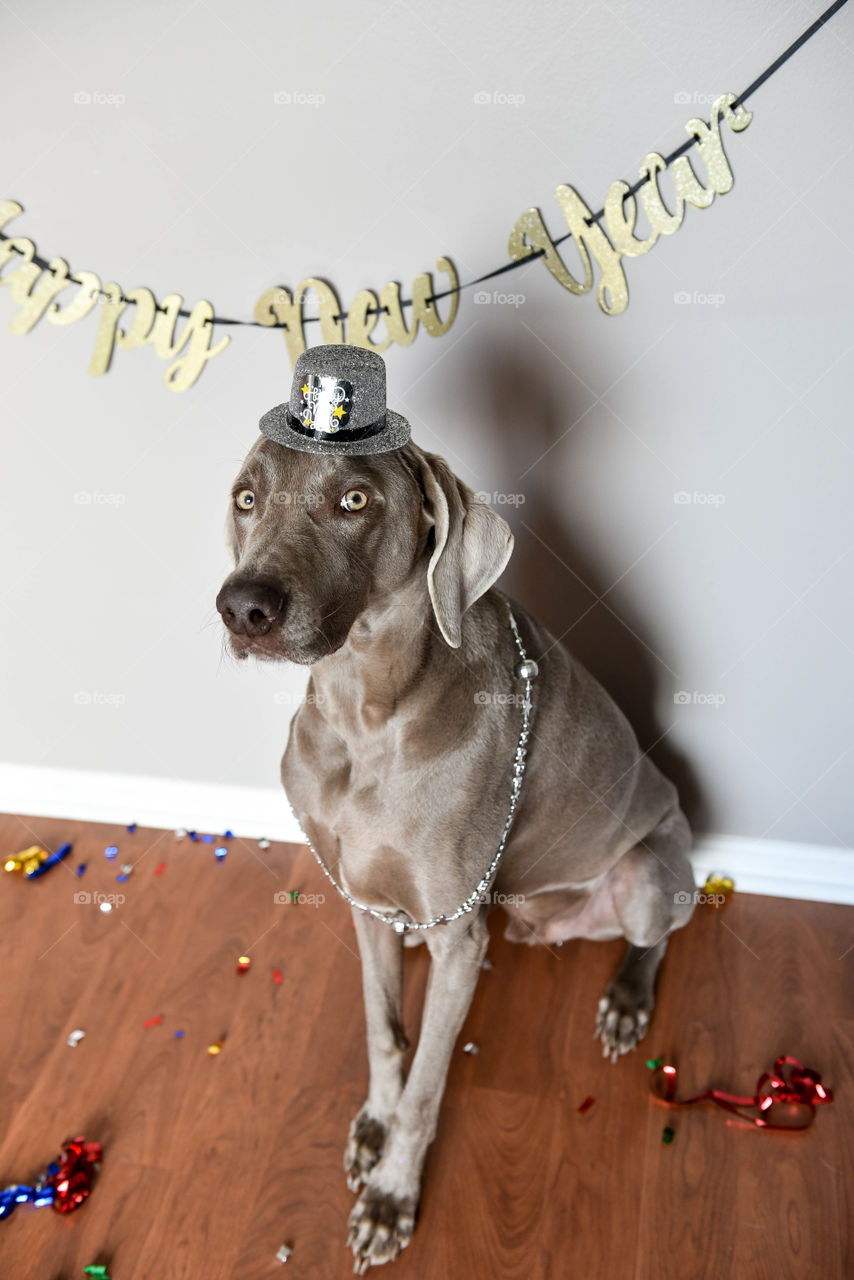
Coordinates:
<point>317,538</point>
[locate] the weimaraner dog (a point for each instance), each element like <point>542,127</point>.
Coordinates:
<point>377,572</point>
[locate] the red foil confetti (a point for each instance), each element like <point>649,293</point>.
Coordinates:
<point>78,1165</point>
<point>160,868</point>
<point>586,1105</point>
<point>277,977</point>
<point>153,1022</point>
<point>786,1096</point>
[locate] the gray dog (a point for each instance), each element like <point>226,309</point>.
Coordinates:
<point>369,561</point>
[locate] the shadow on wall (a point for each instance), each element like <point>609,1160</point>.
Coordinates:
<point>615,641</point>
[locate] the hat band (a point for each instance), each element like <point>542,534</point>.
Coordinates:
<point>346,433</point>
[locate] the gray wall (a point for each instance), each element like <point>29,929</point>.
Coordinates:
<point>200,183</point>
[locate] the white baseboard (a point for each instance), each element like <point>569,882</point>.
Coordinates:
<point>779,868</point>
<point>818,873</point>
<point>148,801</point>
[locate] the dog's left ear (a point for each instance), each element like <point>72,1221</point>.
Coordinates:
<point>471,548</point>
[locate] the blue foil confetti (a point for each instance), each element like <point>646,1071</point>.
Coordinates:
<point>131,827</point>
<point>80,869</point>
<point>221,852</point>
<point>62,852</point>
<point>207,839</point>
<point>111,851</point>
<point>228,835</point>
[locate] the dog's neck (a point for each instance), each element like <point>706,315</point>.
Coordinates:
<point>390,645</point>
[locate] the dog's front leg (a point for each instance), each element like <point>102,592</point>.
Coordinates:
<point>383,1219</point>
<point>381,952</point>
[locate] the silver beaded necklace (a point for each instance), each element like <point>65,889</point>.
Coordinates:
<point>526,669</point>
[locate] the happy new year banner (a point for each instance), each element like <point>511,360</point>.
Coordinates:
<point>184,337</point>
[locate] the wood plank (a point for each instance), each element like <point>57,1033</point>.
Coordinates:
<point>212,1162</point>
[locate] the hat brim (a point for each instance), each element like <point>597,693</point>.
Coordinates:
<point>275,425</point>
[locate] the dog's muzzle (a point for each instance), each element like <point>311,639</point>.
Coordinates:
<point>251,607</point>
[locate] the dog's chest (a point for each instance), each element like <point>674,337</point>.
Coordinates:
<point>377,805</point>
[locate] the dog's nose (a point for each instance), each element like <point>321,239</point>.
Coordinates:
<point>250,608</point>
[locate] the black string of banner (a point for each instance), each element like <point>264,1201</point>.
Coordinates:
<point>538,253</point>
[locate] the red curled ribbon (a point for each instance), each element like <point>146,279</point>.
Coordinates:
<point>78,1165</point>
<point>786,1096</point>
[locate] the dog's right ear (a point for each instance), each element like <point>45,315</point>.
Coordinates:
<point>472,544</point>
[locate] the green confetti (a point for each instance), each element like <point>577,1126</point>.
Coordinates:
<point>654,1063</point>
<point>667,1136</point>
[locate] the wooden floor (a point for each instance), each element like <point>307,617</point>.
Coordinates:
<point>211,1163</point>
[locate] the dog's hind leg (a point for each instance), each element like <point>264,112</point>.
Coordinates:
<point>382,982</point>
<point>652,888</point>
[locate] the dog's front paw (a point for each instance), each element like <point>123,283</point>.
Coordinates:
<point>364,1148</point>
<point>621,1022</point>
<point>381,1224</point>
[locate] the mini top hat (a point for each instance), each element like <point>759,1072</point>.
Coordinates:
<point>337,405</point>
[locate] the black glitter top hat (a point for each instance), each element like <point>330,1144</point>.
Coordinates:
<point>337,405</point>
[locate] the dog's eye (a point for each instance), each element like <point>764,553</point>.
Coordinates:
<point>354,500</point>
<point>245,500</point>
